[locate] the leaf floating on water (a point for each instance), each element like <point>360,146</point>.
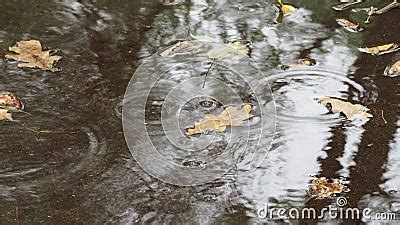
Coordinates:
<point>382,49</point>
<point>393,70</point>
<point>5,115</point>
<point>9,100</point>
<point>322,188</point>
<point>349,26</point>
<point>182,47</point>
<point>306,62</point>
<point>286,9</point>
<point>31,53</point>
<point>232,49</point>
<point>351,111</point>
<point>229,117</point>
<point>202,38</point>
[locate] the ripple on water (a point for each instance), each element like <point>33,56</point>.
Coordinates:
<point>294,93</point>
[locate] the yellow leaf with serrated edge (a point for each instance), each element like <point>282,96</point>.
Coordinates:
<point>31,53</point>
<point>229,117</point>
<point>351,111</point>
<point>5,115</point>
<point>322,188</point>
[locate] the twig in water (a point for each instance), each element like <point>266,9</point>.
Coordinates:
<point>383,117</point>
<point>51,131</point>
<point>209,68</point>
<point>17,215</point>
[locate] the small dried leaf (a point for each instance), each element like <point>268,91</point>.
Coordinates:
<point>233,49</point>
<point>393,70</point>
<point>301,63</point>
<point>182,47</point>
<point>203,38</point>
<point>322,188</point>
<point>10,100</point>
<point>31,53</point>
<point>382,49</point>
<point>349,26</point>
<point>351,111</point>
<point>5,115</point>
<point>229,117</point>
<point>286,9</point>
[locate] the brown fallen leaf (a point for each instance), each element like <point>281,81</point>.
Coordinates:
<point>31,53</point>
<point>351,111</point>
<point>229,117</point>
<point>5,115</point>
<point>182,47</point>
<point>10,100</point>
<point>232,49</point>
<point>393,70</point>
<point>322,188</point>
<point>380,50</point>
<point>301,63</point>
<point>349,26</point>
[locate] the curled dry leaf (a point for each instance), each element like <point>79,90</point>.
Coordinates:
<point>31,53</point>
<point>229,117</point>
<point>382,49</point>
<point>306,62</point>
<point>232,49</point>
<point>182,47</point>
<point>349,26</point>
<point>10,100</point>
<point>286,9</point>
<point>5,115</point>
<point>322,188</point>
<point>351,111</point>
<point>202,38</point>
<point>393,70</point>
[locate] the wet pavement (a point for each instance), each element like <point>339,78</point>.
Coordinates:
<point>68,161</point>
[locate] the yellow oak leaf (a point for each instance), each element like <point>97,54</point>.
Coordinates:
<point>31,53</point>
<point>393,70</point>
<point>349,26</point>
<point>351,111</point>
<point>380,50</point>
<point>5,115</point>
<point>322,188</point>
<point>229,117</point>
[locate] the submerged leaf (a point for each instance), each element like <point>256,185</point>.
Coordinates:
<point>322,188</point>
<point>5,115</point>
<point>31,53</point>
<point>286,9</point>
<point>351,111</point>
<point>182,47</point>
<point>202,38</point>
<point>382,49</point>
<point>393,70</point>
<point>235,48</point>
<point>349,26</point>
<point>229,117</point>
